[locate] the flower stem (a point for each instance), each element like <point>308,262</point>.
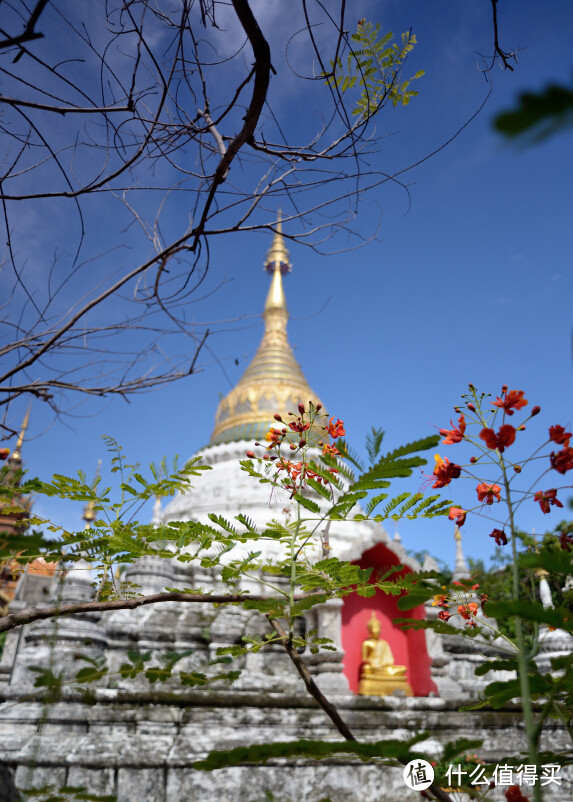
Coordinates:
<point>522,661</point>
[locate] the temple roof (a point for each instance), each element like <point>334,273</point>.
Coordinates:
<point>274,381</point>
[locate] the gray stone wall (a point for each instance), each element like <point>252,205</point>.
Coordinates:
<point>141,746</point>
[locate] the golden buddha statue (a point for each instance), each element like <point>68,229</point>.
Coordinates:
<point>379,675</point>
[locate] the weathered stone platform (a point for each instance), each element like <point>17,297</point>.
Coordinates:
<point>141,746</point>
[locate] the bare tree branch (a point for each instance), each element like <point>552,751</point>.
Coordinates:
<point>29,31</point>
<point>147,130</point>
<point>31,614</point>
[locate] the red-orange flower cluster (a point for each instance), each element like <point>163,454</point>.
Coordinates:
<point>336,429</point>
<point>562,461</point>
<point>460,601</point>
<point>505,437</point>
<point>298,479</point>
<point>440,600</point>
<point>458,515</point>
<point>514,794</point>
<point>467,611</point>
<point>331,450</point>
<point>488,493</point>
<point>499,536</point>
<point>454,435</point>
<point>298,426</point>
<point>559,435</point>
<point>274,435</point>
<point>510,400</point>
<point>565,541</point>
<point>445,471</point>
<point>546,498</point>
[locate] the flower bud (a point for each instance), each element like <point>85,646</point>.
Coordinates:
<point>471,387</point>
<point>517,468</point>
<point>292,447</point>
<point>471,407</point>
<point>266,456</point>
<point>302,443</point>
<point>278,417</point>
<point>535,411</point>
<point>284,431</point>
<point>473,460</point>
<point>301,408</point>
<point>457,409</point>
<point>251,454</point>
<point>520,428</point>
<point>318,407</point>
<point>504,389</point>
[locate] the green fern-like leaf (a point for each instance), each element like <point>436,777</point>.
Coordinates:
<point>223,523</point>
<point>374,443</point>
<point>247,523</point>
<point>307,503</point>
<point>393,503</point>
<point>407,505</point>
<point>374,502</point>
<point>316,750</point>
<point>319,488</point>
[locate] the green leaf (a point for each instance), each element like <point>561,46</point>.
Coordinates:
<point>302,605</point>
<point>316,750</point>
<point>247,523</point>
<point>510,664</point>
<point>538,113</point>
<point>555,562</point>
<point>319,488</point>
<point>423,444</point>
<point>437,626</point>
<point>90,674</point>
<point>454,748</point>
<point>499,693</point>
<point>419,594</point>
<point>223,523</point>
<point>374,502</point>
<point>307,503</point>
<point>266,605</point>
<point>345,503</point>
<point>558,617</point>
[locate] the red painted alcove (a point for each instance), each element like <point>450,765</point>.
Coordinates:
<point>408,646</point>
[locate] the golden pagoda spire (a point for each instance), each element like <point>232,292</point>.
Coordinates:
<point>273,382</point>
<point>277,264</point>
<point>15,457</point>
<point>461,569</point>
<point>89,510</point>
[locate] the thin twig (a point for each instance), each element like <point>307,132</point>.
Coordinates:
<point>311,685</point>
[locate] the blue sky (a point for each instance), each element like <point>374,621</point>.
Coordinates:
<point>468,278</point>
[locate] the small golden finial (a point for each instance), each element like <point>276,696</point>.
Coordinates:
<point>89,509</point>
<point>16,455</point>
<point>278,264</point>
